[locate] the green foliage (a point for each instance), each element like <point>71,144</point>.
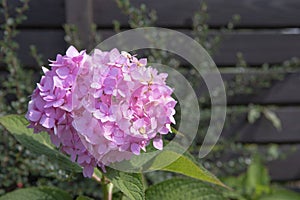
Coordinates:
<point>253,114</point>
<point>172,160</point>
<point>280,194</point>
<point>256,111</point>
<point>257,179</point>
<point>131,184</point>
<point>37,57</point>
<point>39,193</point>
<point>16,86</point>
<point>19,167</point>
<point>58,170</point>
<point>72,35</point>
<point>255,185</point>
<point>138,17</point>
<point>272,117</point>
<point>38,143</point>
<point>184,165</point>
<point>83,198</point>
<point>183,189</point>
<point>202,33</point>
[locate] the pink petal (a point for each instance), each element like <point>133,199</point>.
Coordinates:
<point>55,140</point>
<point>72,52</point>
<point>153,123</point>
<point>45,70</point>
<point>158,143</point>
<point>57,81</point>
<point>88,171</point>
<point>143,61</point>
<point>34,115</point>
<point>47,122</point>
<point>58,103</point>
<point>135,148</point>
<point>118,140</point>
<point>114,54</point>
<point>98,115</point>
<point>102,148</point>
<point>77,59</point>
<point>63,72</point>
<point>39,103</point>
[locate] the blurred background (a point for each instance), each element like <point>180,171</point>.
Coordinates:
<point>254,43</point>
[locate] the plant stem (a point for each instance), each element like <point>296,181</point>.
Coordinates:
<point>107,188</point>
<point>96,178</point>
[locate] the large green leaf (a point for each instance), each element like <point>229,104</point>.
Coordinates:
<point>37,143</point>
<point>184,165</point>
<point>166,160</point>
<point>131,184</point>
<point>41,193</point>
<point>182,189</point>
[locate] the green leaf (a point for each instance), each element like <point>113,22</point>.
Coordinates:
<point>37,143</point>
<point>234,181</point>
<point>120,196</point>
<point>182,189</point>
<point>281,194</point>
<point>257,173</point>
<point>257,180</point>
<point>144,161</point>
<point>40,193</point>
<point>253,115</point>
<point>184,165</point>
<point>83,198</point>
<point>131,184</point>
<point>272,117</point>
<point>175,131</point>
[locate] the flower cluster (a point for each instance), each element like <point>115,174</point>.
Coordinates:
<point>102,108</point>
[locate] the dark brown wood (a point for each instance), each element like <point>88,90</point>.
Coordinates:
<point>80,14</point>
<point>48,43</point>
<point>254,13</point>
<point>179,13</point>
<point>258,47</point>
<point>42,13</point>
<point>286,169</point>
<point>263,131</point>
<point>281,92</point>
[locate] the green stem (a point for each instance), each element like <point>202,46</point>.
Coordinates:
<point>107,188</point>
<point>96,178</point>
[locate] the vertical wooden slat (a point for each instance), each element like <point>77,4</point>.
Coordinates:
<point>80,13</point>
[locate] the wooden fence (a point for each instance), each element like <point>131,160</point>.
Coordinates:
<point>269,32</point>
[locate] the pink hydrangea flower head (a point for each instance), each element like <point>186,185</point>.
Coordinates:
<point>102,108</point>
